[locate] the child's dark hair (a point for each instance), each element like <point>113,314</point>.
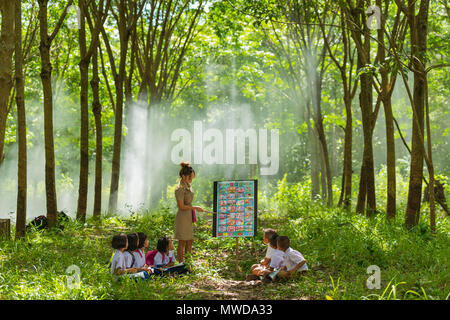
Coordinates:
<point>283,242</point>
<point>163,244</point>
<point>119,241</point>
<point>273,240</point>
<point>132,241</point>
<point>269,233</point>
<point>142,237</point>
<point>186,169</point>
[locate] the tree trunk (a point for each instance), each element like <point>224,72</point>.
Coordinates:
<point>326,159</point>
<point>84,112</point>
<point>118,119</point>
<point>313,155</point>
<point>97,111</point>
<point>6,52</point>
<point>418,30</point>
<point>390,159</point>
<point>348,171</point>
<point>366,196</point>
<point>21,214</point>
<point>386,94</point>
<point>46,77</point>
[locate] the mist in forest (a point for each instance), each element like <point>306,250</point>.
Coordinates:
<point>149,157</point>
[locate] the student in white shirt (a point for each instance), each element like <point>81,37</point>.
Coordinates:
<point>293,260</point>
<point>277,260</point>
<point>120,243</point>
<point>260,269</point>
<point>129,258</point>
<point>139,254</point>
<point>164,259</point>
<point>132,245</point>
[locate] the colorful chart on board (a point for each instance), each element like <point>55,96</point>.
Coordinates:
<point>235,207</point>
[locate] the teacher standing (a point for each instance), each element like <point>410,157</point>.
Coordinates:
<point>184,217</point>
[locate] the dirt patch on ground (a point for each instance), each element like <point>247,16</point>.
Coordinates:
<point>239,290</point>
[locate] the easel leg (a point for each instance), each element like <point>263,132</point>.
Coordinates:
<point>237,255</point>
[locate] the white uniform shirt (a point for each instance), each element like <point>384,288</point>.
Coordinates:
<point>128,259</point>
<point>139,258</point>
<point>292,258</point>
<point>269,251</point>
<point>277,260</point>
<point>158,259</point>
<point>118,261</point>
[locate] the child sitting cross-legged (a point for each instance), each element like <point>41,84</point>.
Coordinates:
<point>138,253</point>
<point>164,260</point>
<point>119,268</point>
<point>262,269</point>
<point>293,260</point>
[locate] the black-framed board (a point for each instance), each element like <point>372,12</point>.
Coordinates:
<point>235,208</point>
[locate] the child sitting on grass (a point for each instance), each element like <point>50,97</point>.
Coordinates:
<point>277,260</point>
<point>119,265</point>
<point>120,244</point>
<point>293,260</point>
<point>261,269</point>
<point>164,259</point>
<point>139,254</point>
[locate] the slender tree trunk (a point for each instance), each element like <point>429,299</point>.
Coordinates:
<point>6,52</point>
<point>118,119</point>
<point>323,174</point>
<point>366,196</point>
<point>84,111</point>
<point>326,159</point>
<point>348,139</point>
<point>386,93</point>
<point>313,152</point>
<point>21,214</point>
<point>46,77</point>
<point>418,25</point>
<point>390,159</point>
<point>97,111</point>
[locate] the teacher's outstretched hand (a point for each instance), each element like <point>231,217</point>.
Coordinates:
<point>184,217</point>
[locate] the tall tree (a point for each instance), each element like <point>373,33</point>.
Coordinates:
<point>86,53</point>
<point>385,89</point>
<point>355,13</point>
<point>345,65</point>
<point>418,25</point>
<point>165,32</point>
<point>21,213</point>
<point>6,52</point>
<point>125,14</point>
<point>46,40</point>
<point>304,48</point>
<point>97,111</point>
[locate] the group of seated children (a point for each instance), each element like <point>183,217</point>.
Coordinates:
<point>130,258</point>
<point>280,261</point>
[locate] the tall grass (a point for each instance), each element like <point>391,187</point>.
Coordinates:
<point>338,245</point>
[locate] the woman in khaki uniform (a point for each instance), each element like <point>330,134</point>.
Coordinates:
<point>183,219</point>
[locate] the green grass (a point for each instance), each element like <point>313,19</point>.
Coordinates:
<point>339,246</point>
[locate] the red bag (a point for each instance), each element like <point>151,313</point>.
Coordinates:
<point>194,217</point>
<point>150,257</point>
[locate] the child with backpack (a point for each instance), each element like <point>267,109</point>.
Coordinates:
<point>162,259</point>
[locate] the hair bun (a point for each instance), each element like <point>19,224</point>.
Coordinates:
<point>184,164</point>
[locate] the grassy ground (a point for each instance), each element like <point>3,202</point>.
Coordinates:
<point>338,246</point>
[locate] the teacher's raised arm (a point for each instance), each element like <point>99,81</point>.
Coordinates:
<point>184,217</point>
